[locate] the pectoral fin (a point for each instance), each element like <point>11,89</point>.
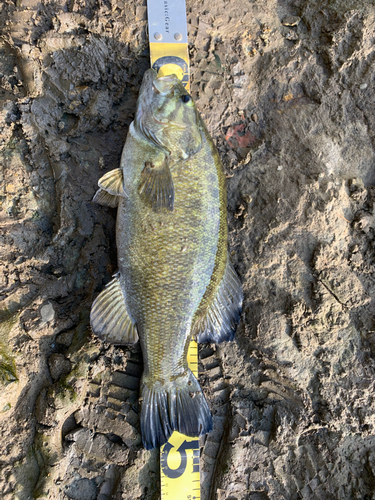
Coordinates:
<point>111,188</point>
<point>221,315</point>
<point>156,186</point>
<point>109,317</point>
<point>113,182</point>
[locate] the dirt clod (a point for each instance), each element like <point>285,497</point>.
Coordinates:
<point>58,366</point>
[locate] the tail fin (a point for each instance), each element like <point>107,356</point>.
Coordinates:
<point>178,405</point>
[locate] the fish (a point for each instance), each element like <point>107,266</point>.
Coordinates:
<point>175,279</point>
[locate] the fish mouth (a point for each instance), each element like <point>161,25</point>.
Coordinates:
<point>152,83</point>
<point>164,84</point>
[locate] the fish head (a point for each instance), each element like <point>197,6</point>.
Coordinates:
<point>167,116</point>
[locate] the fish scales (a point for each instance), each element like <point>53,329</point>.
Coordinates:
<point>175,278</point>
<point>165,286</point>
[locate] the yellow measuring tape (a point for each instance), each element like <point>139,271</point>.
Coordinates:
<point>179,458</point>
<point>171,59</point>
<point>168,38</point>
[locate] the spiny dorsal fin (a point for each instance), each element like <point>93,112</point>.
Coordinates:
<point>156,186</point>
<point>104,198</point>
<point>113,182</point>
<point>109,317</point>
<point>223,313</point>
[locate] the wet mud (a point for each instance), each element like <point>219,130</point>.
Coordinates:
<point>287,92</point>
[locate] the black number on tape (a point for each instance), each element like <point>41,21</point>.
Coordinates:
<point>176,473</point>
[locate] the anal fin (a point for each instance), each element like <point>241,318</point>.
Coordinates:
<point>156,186</point>
<point>109,317</point>
<point>219,320</point>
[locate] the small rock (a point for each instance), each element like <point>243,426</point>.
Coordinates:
<point>254,117</point>
<point>363,86</point>
<point>141,13</point>
<point>47,313</point>
<point>65,338</point>
<point>291,20</point>
<point>81,489</point>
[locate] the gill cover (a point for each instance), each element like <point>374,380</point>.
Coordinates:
<point>167,116</point>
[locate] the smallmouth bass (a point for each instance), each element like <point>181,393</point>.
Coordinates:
<point>175,280</point>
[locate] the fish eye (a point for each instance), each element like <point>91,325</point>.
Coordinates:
<point>186,98</point>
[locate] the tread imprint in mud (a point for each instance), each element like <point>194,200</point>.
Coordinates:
<point>114,396</point>
<point>217,393</point>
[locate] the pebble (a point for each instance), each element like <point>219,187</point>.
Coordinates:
<point>47,313</point>
<point>291,20</point>
<point>81,489</point>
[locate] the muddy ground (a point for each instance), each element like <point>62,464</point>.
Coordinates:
<point>287,91</point>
